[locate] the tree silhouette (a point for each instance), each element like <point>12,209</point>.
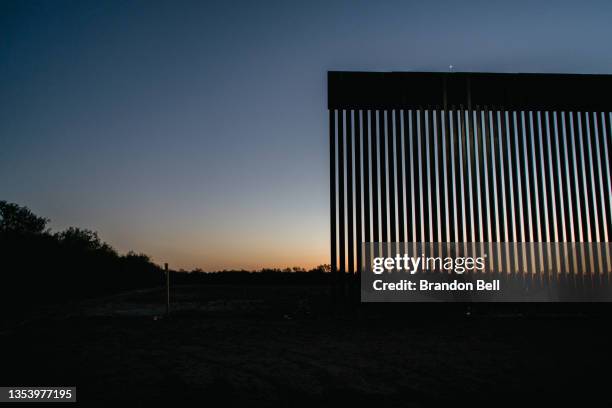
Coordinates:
<point>82,239</point>
<point>40,266</point>
<point>17,219</point>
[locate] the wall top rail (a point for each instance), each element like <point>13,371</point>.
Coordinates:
<point>455,90</point>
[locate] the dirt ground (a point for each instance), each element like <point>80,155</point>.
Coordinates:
<point>288,346</point>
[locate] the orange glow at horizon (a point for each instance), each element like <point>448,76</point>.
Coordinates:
<point>304,244</point>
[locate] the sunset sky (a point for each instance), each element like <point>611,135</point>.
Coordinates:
<point>196,132</point>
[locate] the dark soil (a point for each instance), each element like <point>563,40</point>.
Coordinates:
<point>289,346</point>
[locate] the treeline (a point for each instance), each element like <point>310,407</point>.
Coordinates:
<point>41,266</point>
<point>287,276</point>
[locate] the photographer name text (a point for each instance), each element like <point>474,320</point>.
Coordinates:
<point>425,285</point>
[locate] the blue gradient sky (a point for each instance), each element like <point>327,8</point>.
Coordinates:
<point>197,132</point>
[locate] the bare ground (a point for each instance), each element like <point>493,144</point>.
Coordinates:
<point>287,346</point>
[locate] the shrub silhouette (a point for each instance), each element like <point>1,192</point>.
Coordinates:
<point>41,267</point>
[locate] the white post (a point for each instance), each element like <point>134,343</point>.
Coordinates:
<point>167,289</point>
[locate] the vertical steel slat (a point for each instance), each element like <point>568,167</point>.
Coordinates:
<point>452,145</point>
<point>535,185</point>
<point>454,175</point>
<point>590,190</point>
<point>527,175</point>
<point>520,184</point>
<point>367,230</point>
<point>491,121</point>
<point>461,176</point>
<point>562,235</point>
<point>505,187</point>
<point>419,179</point>
<point>606,135</point>
<point>350,241</point>
<point>485,173</point>
<point>501,185</point>
<point>383,176</point>
<point>400,175</point>
<point>478,166</point>
<point>511,153</point>
<point>358,190</point>
<point>566,177</point>
<point>551,180</point>
<point>603,179</point>
<point>408,183</point>
<point>566,193</point>
<point>375,175</point>
<point>495,172</point>
<point>586,187</point>
<point>428,160</point>
<point>438,166</point>
<point>445,171</point>
<point>332,190</point>
<point>424,158</point>
<point>434,196</point>
<point>576,178</point>
<point>428,207</point>
<point>469,157</point>
<point>606,160</point>
<point>469,165</point>
<point>519,133</point>
<point>391,176</point>
<point>413,171</point>
<point>515,202</point>
<point>542,185</point>
<point>594,178</point>
<point>594,172</point>
<point>341,201</point>
<point>527,194</point>
<point>583,179</point>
